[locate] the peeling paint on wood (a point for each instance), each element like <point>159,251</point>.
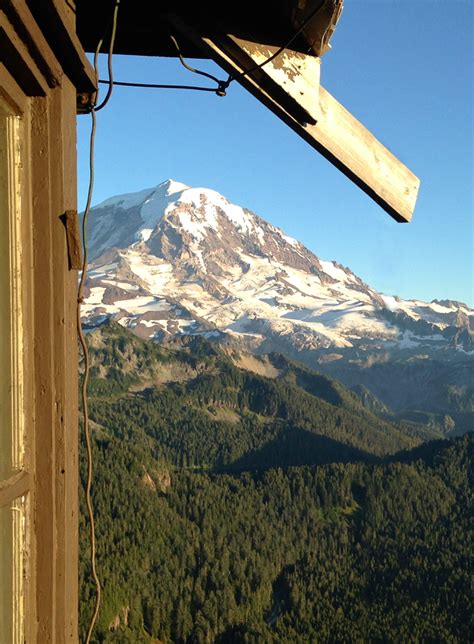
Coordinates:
<point>297,74</point>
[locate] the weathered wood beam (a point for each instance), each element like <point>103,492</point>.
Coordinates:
<point>56,21</point>
<point>20,16</point>
<point>316,116</point>
<point>16,57</point>
<point>291,79</point>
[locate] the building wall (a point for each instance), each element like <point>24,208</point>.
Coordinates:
<point>42,69</point>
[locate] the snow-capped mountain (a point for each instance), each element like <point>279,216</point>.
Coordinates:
<point>172,259</point>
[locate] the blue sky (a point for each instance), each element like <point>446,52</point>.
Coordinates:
<point>403,67</point>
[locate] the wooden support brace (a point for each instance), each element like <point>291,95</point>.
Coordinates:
<point>291,79</point>
<point>289,86</point>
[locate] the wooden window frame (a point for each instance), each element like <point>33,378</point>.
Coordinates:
<point>42,71</point>
<point>14,478</point>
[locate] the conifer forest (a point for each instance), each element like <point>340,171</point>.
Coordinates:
<point>266,504</point>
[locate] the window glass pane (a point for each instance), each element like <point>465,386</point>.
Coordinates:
<point>11,350</point>
<point>12,571</point>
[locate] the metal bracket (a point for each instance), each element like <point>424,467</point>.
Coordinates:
<point>85,102</point>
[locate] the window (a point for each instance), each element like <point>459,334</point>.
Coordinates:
<point>13,476</point>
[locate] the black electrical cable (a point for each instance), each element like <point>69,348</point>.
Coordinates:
<point>109,58</point>
<point>222,85</point>
<point>85,379</point>
<point>219,89</point>
<point>80,332</point>
<point>188,66</point>
<point>158,86</point>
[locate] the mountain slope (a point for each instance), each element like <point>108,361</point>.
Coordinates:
<point>204,409</point>
<point>173,260</point>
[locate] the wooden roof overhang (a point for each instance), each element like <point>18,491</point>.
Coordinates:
<point>39,47</point>
<point>239,36</point>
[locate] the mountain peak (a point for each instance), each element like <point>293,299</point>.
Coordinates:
<point>132,199</point>
<point>171,186</point>
<point>195,215</point>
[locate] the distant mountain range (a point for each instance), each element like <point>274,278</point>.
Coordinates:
<point>173,261</point>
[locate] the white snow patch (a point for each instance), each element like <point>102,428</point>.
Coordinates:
<point>123,285</point>
<point>291,240</point>
<point>156,274</point>
<point>96,295</point>
<point>146,196</point>
<point>133,306</point>
<point>462,350</point>
<point>191,226</point>
<point>144,234</point>
<point>437,337</point>
<point>200,257</point>
<point>333,271</point>
<point>391,303</point>
<point>102,269</point>
<point>236,214</point>
<point>150,323</point>
<point>260,234</point>
<point>211,334</point>
<point>202,198</point>
<point>439,308</point>
<point>172,186</point>
<point>127,200</point>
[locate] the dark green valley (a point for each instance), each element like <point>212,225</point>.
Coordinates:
<point>249,499</point>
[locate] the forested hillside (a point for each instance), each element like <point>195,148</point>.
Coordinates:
<point>236,507</point>
<point>199,409</point>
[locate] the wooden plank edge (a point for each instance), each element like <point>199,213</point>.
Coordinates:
<point>399,204</point>
<point>239,50</point>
